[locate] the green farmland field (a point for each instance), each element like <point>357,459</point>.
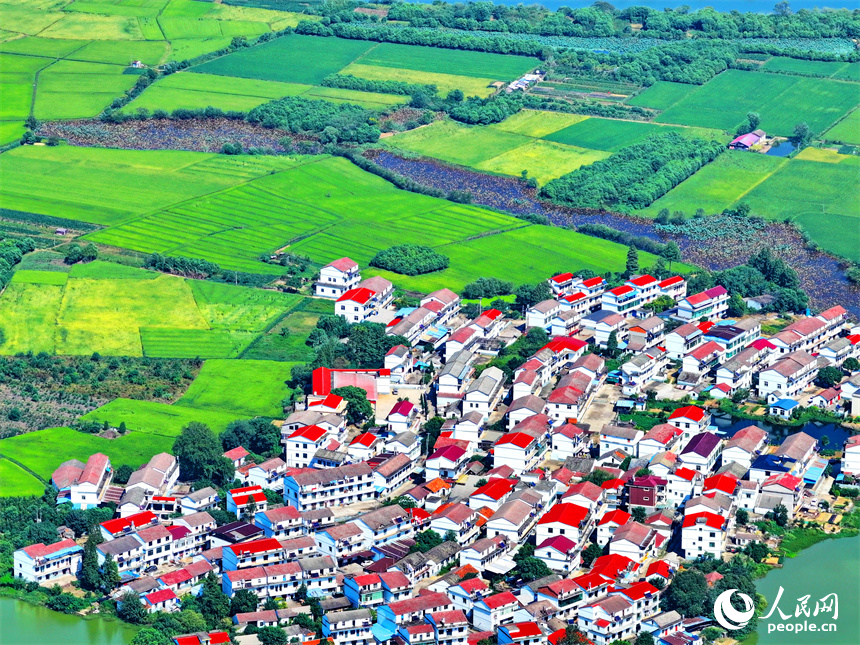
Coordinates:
<point>470,85</point>
<point>286,340</point>
<point>719,184</point>
<point>460,144</point>
<point>291,59</point>
<point>781,100</point>
<point>544,160</point>
<point>533,123</point>
<point>15,481</point>
<point>662,95</point>
<point>458,62</point>
<point>105,187</point>
<point>611,134</point>
<point>847,130</point>
<point>814,194</point>
<point>844,71</point>
<point>73,89</point>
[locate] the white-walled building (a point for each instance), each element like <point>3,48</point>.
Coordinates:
<point>336,278</point>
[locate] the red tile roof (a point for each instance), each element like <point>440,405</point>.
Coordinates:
<point>500,600</point>
<point>236,453</point>
<point>495,489</point>
<point>343,264</point>
<point>120,524</point>
<point>710,519</point>
<point>40,550</point>
<point>593,282</point>
<point>569,514</point>
<point>724,483</point>
<point>519,439</point>
<point>688,412</point>
<point>620,291</point>
<point>643,280</point>
<point>365,439</point>
<point>523,630</point>
<point>360,295</point>
<point>617,517</point>
<point>257,546</point>
<point>668,282</point>
<point>562,277</point>
<point>160,596</point>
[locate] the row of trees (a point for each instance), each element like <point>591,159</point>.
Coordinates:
<point>636,175</point>
<point>12,250</point>
<point>188,267</point>
<point>410,259</point>
<point>350,82</point>
<point>334,122</point>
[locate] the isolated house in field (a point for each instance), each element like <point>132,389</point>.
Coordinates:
<point>747,141</point>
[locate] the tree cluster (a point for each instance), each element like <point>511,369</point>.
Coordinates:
<point>487,288</point>
<point>77,253</point>
<point>350,82</point>
<point>188,267</point>
<point>636,175</point>
<point>201,456</point>
<point>410,259</point>
<point>256,435</point>
<point>334,122</point>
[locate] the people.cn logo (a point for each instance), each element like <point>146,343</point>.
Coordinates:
<point>727,615</point>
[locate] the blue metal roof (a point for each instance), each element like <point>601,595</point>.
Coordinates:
<point>785,404</point>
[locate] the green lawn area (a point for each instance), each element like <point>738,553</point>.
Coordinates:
<point>286,340</point>
<point>611,134</point>
<point>17,482</point>
<point>662,95</point>
<point>243,387</point>
<point>103,186</point>
<point>847,130</point>
<point>719,184</point>
<point>781,100</point>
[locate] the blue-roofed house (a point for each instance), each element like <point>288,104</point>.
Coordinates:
<point>782,408</point>
<point>764,466</point>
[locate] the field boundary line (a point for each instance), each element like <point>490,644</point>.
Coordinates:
<point>767,176</point>
<point>22,466</point>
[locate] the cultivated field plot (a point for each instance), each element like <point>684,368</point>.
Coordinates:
<point>456,143</point>
<point>543,160</point>
<point>291,59</point>
<point>527,251</point>
<point>815,194</point>
<point>533,123</point>
<point>17,74</point>
<point>15,481</point>
<point>611,134</point>
<point>843,71</point>
<point>470,85</point>
<point>662,95</point>
<point>286,340</point>
<point>103,186</point>
<point>44,47</point>
<point>781,100</point>
<point>121,52</point>
<point>719,184</point>
<point>458,62</point>
<point>118,310</point>
<point>72,89</point>
<point>847,130</point>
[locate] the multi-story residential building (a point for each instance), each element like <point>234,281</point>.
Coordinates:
<point>364,590</point>
<point>733,338</point>
<point>569,520</point>
<point>404,612</point>
<point>700,362</point>
<point>199,500</point>
<point>258,553</point>
<point>660,438</point>
<point>701,452</point>
<point>492,611</point>
<point>127,552</point>
<point>703,533</point>
<point>465,594</point>
<point>635,541</point>
<point>449,627</point>
<point>745,445</point>
<point>674,287</point>
<point>643,368</point>
<point>486,553</point>
<point>512,521</point>
<point>519,450</point>
<point>311,489</point>
<point>485,392</point>
<point>603,324</point>
<point>245,499</point>
<point>45,564</point>
<point>452,378</point>
<point>444,303</point>
<point>301,446</point>
<point>284,522</point>
<point>524,633</point>
<point>645,334</point>
<point>336,278</point>
<point>350,627</point>
<point>541,314</point>
<point>157,543</point>
<point>567,441</point>
<point>683,340</point>
<point>342,541</point>
<point>789,376</point>
<point>268,475</point>
<point>83,485</point>
<point>691,420</point>
<point>458,518</point>
<point>621,300</point>
<point>385,525</point>
<point>384,289</point>
<point>626,438</point>
<point>447,462</point>
<point>356,305</point>
<point>559,554</point>
<point>391,471</point>
<point>648,287</point>
<point>737,372</point>
<point>710,304</point>
<point>317,574</point>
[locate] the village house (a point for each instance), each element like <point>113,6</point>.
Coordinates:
<point>284,522</point>
<point>648,491</point>
<point>614,437</point>
<point>674,287</point>
<point>157,477</point>
<point>245,499</point>
<point>733,338</point>
<point>444,302</point>
<point>302,445</point>
<point>269,475</point>
<point>199,526</point>
<point>660,438</point>
<point>541,314</point>
<point>498,609</point>
<point>365,446</point>
<point>745,445</point>
<point>447,462</point>
<point>384,290</point>
<point>519,450</point>
<point>83,485</point>
<point>643,368</point>
<point>603,324</point>
<point>701,452</point>
<point>399,362</point>
<point>749,140</point>
<point>265,551</point>
<point>487,553</point>
<point>350,627</point>
<point>647,285</point>
<point>609,523</point>
<point>336,278</point>
<point>683,340</point>
<point>390,472</point>
<point>523,407</point>
<point>778,489</point>
<point>851,456</point>
<point>635,541</point>
<point>737,372</point>
<point>406,443</point>
<point>700,362</point>
<point>452,378</point>
<point>691,420</point>
<point>459,518</point>
<point>621,300</point>
<point>789,376</point>
<point>559,554</point>
<point>45,564</point>
<point>513,520</point>
<point>199,500</point>
<point>567,441</point>
<point>645,334</point>
<point>522,633</point>
<point>572,521</point>
<point>310,489</point>
<point>492,494</point>
<point>403,417</point>
<point>703,534</point>
<point>485,392</point>
<point>710,304</point>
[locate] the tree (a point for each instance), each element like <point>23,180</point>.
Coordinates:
<point>632,265</point>
<point>90,576</point>
<point>780,515</point>
<point>450,536</point>
<point>431,431</point>
<point>829,376</point>
<point>150,636</point>
<point>742,516</point>
<point>131,610</point>
<point>612,344</point>
<point>644,638</point>
<point>710,634</point>
<point>243,601</point>
<point>213,603</point>
<point>802,135</point>
<point>532,568</point>
<point>110,578</point>
<point>639,513</point>
<point>687,594</point>
<point>825,440</point>
<point>272,636</point>
<point>249,511</point>
<point>851,364</point>
<point>572,636</point>
<point>358,408</point>
<point>756,551</point>
<point>122,473</point>
<point>304,620</point>
<point>754,120</point>
<point>671,252</point>
<point>782,9</point>
<point>425,541</point>
<point>368,344</point>
<point>531,294</point>
<point>200,455</point>
<point>257,435</point>
<point>590,554</point>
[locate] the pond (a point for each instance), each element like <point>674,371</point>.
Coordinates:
<point>727,426</point>
<point>826,568</point>
<point>782,149</point>
<point>23,623</point>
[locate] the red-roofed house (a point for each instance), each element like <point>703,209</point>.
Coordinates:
<point>492,494</point>
<point>83,485</point>
<point>449,627</point>
<point>710,304</point>
<point>356,305</point>
<point>365,446</point>
<point>239,499</point>
<point>123,525</point>
<point>781,488</point>
<point>336,278</point>
<point>647,285</point>
<point>495,610</point>
<point>559,554</point>
<point>44,564</point>
<point>161,600</point>
<point>703,533</point>
<point>373,381</point>
<point>447,462</point>
<point>609,523</point>
<point>674,287</point>
<point>621,300</point>
<point>302,445</point>
<point>569,520</point>
<point>691,420</point>
<point>466,593</point>
<point>456,517</point>
<point>202,638</point>
<point>568,440</point>
<point>258,553</point>
<point>403,416</point>
<point>519,450</point>
<point>237,455</point>
<point>528,633</point>
<point>635,541</point>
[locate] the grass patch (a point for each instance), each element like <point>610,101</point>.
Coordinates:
<point>847,130</point>
<point>782,101</point>
<point>149,419</point>
<point>226,306</point>
<point>35,46</point>
<point>544,160</point>
<point>534,123</point>
<point>17,482</point>
<point>25,276</point>
<point>121,52</point>
<point>291,59</point>
<point>244,388</point>
<point>471,86</point>
<point>718,185</point>
<point>286,340</point>
<point>611,135</point>
<point>456,143</point>
<point>94,27</point>
<point>662,95</point>
<point>17,75</point>
<point>194,343</point>
<point>449,61</point>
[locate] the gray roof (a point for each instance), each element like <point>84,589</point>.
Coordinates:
<point>120,545</point>
<point>200,495</point>
<point>383,517</point>
<point>489,382</point>
<point>620,431</point>
<point>543,582</point>
<point>310,476</point>
<point>136,496</point>
<point>331,455</point>
<point>458,365</point>
<point>443,551</point>
<point>406,438</point>
<point>316,563</point>
<point>666,618</point>
<point>348,615</point>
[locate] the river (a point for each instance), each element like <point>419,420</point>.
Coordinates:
<point>24,624</point>
<point>828,567</point>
